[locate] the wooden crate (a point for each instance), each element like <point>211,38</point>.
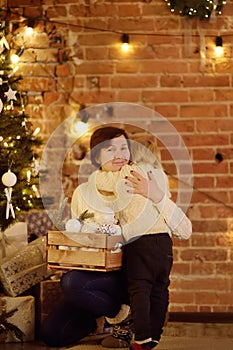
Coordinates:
<point>89,251</point>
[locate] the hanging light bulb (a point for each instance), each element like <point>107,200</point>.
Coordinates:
<point>15,57</point>
<point>30,26</point>
<point>219,48</point>
<point>81,126</point>
<point>29,31</point>
<point>125,42</point>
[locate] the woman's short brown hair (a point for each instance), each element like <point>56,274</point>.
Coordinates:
<point>101,138</point>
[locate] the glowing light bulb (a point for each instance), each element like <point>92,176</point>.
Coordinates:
<point>80,127</point>
<point>14,58</point>
<point>125,47</point>
<point>219,48</point>
<point>218,51</point>
<point>125,42</point>
<point>29,31</point>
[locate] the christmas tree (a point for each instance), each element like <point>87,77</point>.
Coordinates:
<point>18,142</point>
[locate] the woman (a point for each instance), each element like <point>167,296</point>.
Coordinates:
<point>91,294</point>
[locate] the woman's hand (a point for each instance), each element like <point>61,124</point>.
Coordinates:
<point>146,187</point>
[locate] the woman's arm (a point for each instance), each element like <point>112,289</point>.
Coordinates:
<point>174,217</point>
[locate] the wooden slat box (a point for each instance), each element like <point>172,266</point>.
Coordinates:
<point>89,251</point>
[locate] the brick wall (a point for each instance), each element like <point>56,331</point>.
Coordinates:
<point>74,58</point>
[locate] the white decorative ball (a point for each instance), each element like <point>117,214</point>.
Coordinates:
<point>73,225</point>
<point>9,179</point>
<point>105,216</point>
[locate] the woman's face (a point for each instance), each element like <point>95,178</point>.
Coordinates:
<point>114,156</point>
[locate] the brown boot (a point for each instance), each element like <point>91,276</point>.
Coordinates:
<point>121,336</point>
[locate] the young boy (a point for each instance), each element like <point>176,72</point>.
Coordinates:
<point>147,227</point>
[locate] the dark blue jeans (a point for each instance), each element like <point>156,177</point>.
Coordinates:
<point>87,296</point>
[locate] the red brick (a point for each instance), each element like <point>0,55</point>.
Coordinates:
<point>63,70</point>
<point>164,96</point>
<point>182,298</point>
<point>213,225</point>
<point>204,254</point>
<point>203,111</point>
<point>202,268</point>
<point>134,82</point>
<point>171,81</point>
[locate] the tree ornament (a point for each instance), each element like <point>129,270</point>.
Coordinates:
<point>196,8</point>
<point>9,179</point>
<point>1,105</point>
<point>11,94</point>
<point>4,44</point>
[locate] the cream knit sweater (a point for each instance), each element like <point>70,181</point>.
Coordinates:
<point>137,215</point>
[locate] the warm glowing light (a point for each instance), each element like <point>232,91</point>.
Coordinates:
<point>28,176</point>
<point>219,48</point>
<point>29,31</point>
<point>125,42</point>
<point>80,127</point>
<point>14,58</point>
<point>125,47</point>
<point>218,51</point>
<point>36,132</point>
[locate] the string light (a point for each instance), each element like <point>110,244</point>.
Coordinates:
<point>201,8</point>
<point>80,125</point>
<point>125,42</point>
<point>219,48</point>
<point>29,31</point>
<point>36,132</point>
<point>30,26</point>
<point>15,57</point>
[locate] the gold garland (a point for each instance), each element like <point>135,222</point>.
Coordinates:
<point>193,8</point>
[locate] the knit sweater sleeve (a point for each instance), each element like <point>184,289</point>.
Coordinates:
<point>175,218</point>
<point>78,205</point>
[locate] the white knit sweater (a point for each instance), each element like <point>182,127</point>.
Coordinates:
<point>137,214</point>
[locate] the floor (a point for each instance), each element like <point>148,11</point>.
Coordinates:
<point>166,343</point>
<point>176,336</point>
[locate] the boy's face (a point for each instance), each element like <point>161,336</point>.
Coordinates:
<point>115,155</point>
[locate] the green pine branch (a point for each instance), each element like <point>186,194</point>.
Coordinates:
<point>7,326</point>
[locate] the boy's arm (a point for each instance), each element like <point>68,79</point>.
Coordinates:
<point>175,218</point>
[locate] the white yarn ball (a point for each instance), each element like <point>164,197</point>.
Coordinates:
<point>9,179</point>
<point>73,225</point>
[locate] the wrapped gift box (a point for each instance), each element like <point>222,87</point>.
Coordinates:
<point>38,223</point>
<point>88,251</point>
<point>13,239</point>
<point>23,309</point>
<point>24,269</point>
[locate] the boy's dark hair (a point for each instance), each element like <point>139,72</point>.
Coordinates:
<point>101,138</point>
